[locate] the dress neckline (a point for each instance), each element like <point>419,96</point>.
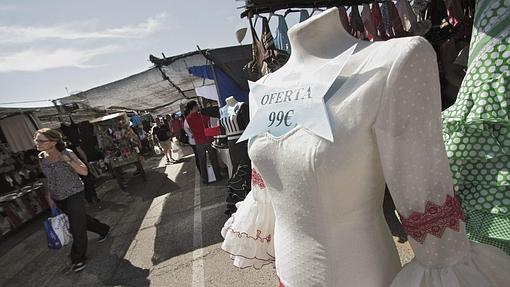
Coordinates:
<point>294,130</point>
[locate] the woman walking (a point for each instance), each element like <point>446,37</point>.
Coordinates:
<point>62,169</point>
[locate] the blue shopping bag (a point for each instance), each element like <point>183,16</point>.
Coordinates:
<point>56,228</point>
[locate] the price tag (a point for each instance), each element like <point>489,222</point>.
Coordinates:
<point>296,101</point>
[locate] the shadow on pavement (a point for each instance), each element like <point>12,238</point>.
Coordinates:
<point>174,235</point>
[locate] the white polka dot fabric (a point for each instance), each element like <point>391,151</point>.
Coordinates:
<point>329,228</point>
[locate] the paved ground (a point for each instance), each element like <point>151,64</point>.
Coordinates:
<point>165,233</point>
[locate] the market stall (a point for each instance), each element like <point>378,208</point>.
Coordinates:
<point>116,141</point>
<point>21,185</point>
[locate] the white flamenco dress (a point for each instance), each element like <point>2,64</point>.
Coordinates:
<point>319,215</point>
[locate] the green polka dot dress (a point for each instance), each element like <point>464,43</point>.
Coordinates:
<point>476,129</point>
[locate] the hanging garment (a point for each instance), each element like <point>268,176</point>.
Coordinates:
<point>436,12</point>
<point>344,19</point>
<point>326,196</point>
<point>386,20</point>
<point>366,16</point>
<point>274,58</point>
<point>476,129</point>
<point>409,20</point>
<point>303,15</point>
<point>253,69</point>
<point>419,7</point>
<point>19,131</point>
<point>357,28</point>
<point>455,12</point>
<point>396,22</point>
<point>378,21</point>
<point>281,39</point>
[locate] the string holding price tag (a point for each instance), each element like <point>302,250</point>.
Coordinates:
<point>299,101</point>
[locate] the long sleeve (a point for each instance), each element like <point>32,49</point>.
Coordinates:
<point>249,232</point>
<point>416,169</point>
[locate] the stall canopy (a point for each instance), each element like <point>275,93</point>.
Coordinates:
<point>164,87</point>
<point>265,6</point>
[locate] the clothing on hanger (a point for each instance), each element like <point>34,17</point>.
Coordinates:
<point>253,69</point>
<point>303,15</point>
<point>274,58</point>
<point>419,7</point>
<point>357,28</point>
<point>386,19</point>
<point>436,12</point>
<point>455,12</point>
<point>366,16</point>
<point>344,19</point>
<point>396,22</point>
<point>281,39</point>
<point>378,21</point>
<point>409,20</point>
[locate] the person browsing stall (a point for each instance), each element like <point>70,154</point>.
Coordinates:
<point>161,131</point>
<point>197,124</point>
<point>62,169</point>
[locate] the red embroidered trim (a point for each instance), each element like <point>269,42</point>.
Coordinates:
<point>256,179</point>
<point>434,220</point>
<point>257,237</point>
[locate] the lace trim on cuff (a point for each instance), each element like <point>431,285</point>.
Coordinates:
<point>434,220</point>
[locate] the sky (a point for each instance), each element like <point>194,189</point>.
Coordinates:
<point>54,47</point>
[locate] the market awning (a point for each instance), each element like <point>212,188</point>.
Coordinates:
<point>164,87</point>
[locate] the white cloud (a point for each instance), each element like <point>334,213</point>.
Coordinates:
<point>7,7</point>
<point>20,35</point>
<point>37,59</point>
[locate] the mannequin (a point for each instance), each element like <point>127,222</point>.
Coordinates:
<point>234,119</point>
<point>328,227</point>
<point>231,101</point>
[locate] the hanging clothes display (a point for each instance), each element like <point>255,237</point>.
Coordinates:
<point>409,21</point>
<point>419,7</point>
<point>357,28</point>
<point>327,195</point>
<point>344,19</point>
<point>371,31</point>
<point>253,69</point>
<point>378,22</point>
<point>274,57</point>
<point>303,15</point>
<point>477,128</point>
<point>19,131</point>
<point>281,39</point>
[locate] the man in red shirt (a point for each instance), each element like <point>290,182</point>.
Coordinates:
<point>197,123</point>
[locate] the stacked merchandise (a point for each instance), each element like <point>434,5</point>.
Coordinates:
<point>21,194</point>
<point>112,135</point>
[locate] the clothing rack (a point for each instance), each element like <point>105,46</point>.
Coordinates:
<point>254,7</point>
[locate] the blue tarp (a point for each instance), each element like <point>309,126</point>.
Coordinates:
<point>226,86</point>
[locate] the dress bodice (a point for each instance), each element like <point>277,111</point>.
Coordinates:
<point>321,189</point>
